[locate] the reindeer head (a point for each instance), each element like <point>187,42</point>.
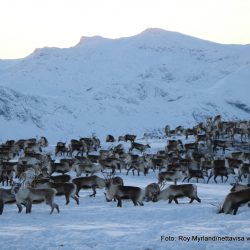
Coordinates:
<point>155,196</point>
<point>15,187</point>
<point>108,177</point>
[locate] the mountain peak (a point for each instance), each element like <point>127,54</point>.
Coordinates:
<point>85,40</point>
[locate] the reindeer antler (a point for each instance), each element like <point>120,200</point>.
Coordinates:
<point>217,205</point>
<point>107,176</point>
<point>163,184</point>
<point>236,179</point>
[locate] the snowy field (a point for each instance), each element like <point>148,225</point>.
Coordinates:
<point>97,224</point>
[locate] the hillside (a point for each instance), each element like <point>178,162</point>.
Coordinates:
<point>134,84</point>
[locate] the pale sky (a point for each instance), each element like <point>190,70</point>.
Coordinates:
<point>29,24</point>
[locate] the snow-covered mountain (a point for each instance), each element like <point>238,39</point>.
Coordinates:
<point>133,84</point>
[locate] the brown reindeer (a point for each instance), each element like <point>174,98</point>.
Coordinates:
<point>110,138</point>
<point>151,190</point>
<point>141,147</point>
<point>89,182</point>
<point>63,188</point>
<point>120,192</point>
<point>127,137</point>
<point>234,200</point>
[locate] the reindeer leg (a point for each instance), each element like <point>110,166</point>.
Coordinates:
<point>56,207</point>
<point>226,178</point>
<point>129,170</point>
<point>20,208</point>
<point>119,203</point>
<point>1,206</point>
<point>134,201</point>
<point>215,179</point>
<point>94,191</point>
<point>235,209</point>
<point>30,206</point>
<point>191,199</point>
<point>77,190</point>
<point>209,178</point>
<point>75,198</point>
<point>175,200</point>
<point>198,199</point>
<point>67,199</point>
<point>133,171</point>
<point>240,177</point>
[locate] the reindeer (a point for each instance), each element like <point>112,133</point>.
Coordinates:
<point>115,180</point>
<point>234,200</point>
<point>79,146</point>
<point>222,144</point>
<point>173,192</point>
<point>60,178</point>
<point>63,188</point>
<point>27,177</point>
<point>195,173</point>
<point>6,197</point>
<point>139,166</point>
<point>27,195</point>
<point>142,148</point>
<point>112,163</point>
<point>43,142</point>
<point>244,170</point>
<point>86,168</point>
<point>190,131</point>
<point>87,182</point>
<point>220,171</point>
<point>92,143</point>
<point>120,192</point>
<point>60,167</point>
<point>191,146</point>
<point>174,145</point>
<point>151,191</point>
<point>158,163</point>
<point>61,148</point>
<point>237,186</point>
<point>110,138</point>
<point>127,137</point>
<point>6,173</point>
<point>170,176</point>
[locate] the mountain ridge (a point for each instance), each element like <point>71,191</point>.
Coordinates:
<point>137,83</point>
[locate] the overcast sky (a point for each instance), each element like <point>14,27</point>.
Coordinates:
<point>29,24</point>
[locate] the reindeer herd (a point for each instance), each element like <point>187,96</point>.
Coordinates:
<point>214,148</point>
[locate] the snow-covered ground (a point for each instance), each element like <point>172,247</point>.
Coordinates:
<point>97,224</point>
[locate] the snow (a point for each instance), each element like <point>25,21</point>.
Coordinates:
<point>96,224</point>
<point>128,85</point>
